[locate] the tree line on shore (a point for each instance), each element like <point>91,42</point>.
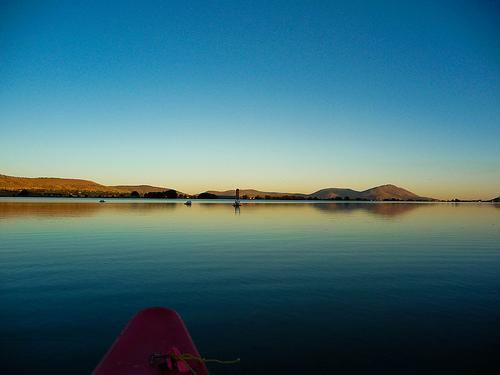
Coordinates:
<point>167,194</point>
<point>174,194</point>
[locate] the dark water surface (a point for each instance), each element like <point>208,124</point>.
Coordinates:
<point>300,288</point>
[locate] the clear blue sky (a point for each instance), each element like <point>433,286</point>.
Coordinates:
<point>291,96</point>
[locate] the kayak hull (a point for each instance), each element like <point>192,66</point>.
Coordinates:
<point>155,330</point>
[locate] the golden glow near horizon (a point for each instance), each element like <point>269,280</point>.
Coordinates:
<point>192,184</point>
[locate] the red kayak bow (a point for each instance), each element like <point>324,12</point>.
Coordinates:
<point>154,342</point>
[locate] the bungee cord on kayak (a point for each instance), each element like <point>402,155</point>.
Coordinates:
<point>175,360</point>
<point>154,330</point>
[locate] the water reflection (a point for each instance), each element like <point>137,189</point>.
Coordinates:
<point>381,209</point>
<point>71,209</point>
<point>85,208</point>
<point>355,279</point>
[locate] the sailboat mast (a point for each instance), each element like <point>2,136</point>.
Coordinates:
<point>237,194</point>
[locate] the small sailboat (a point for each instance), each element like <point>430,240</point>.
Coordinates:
<point>187,203</point>
<point>237,199</point>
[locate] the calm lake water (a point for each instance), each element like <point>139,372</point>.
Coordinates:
<point>287,287</point>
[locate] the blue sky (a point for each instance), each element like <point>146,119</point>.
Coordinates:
<point>291,96</point>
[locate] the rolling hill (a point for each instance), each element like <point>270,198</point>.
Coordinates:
<point>332,193</point>
<point>252,193</point>
<point>141,189</point>
<point>390,192</point>
<point>10,185</point>
<point>46,184</point>
<point>379,193</point>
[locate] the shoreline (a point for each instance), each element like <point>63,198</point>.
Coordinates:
<point>223,200</point>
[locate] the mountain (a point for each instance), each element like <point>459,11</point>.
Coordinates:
<point>332,193</point>
<point>50,184</point>
<point>379,193</point>
<point>252,193</point>
<point>390,192</point>
<point>141,189</point>
<point>497,199</point>
<point>10,185</point>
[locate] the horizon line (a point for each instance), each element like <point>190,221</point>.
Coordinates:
<point>455,196</point>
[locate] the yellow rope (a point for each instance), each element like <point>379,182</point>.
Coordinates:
<point>190,357</point>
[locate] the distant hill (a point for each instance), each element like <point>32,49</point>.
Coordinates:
<point>497,199</point>
<point>379,193</point>
<point>141,189</point>
<point>252,193</point>
<point>332,193</point>
<point>51,186</point>
<point>390,192</point>
<point>10,185</point>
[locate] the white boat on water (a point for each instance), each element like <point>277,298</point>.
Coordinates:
<point>187,203</point>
